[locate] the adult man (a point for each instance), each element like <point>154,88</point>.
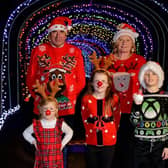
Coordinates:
<point>58,59</point>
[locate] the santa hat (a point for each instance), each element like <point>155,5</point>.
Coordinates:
<point>60,23</point>
<point>156,68</point>
<point>125,29</point>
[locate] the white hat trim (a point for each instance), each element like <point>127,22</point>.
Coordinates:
<point>59,27</point>
<point>127,32</point>
<point>153,66</point>
<point>59,69</point>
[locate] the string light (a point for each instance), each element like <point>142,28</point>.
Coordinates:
<point>161,5</point>
<point>5,114</point>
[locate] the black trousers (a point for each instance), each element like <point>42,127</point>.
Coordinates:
<point>124,147</point>
<point>99,157</point>
<point>148,155</point>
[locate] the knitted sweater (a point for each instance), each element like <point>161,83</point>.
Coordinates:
<point>125,79</point>
<point>66,63</point>
<point>151,118</point>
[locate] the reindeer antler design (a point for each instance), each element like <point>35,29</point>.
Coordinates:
<point>94,60</point>
<point>41,89</point>
<point>54,86</point>
<point>68,63</point>
<point>107,61</point>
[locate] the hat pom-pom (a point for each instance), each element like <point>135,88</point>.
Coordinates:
<point>138,98</point>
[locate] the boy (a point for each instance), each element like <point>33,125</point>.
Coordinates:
<point>150,118</point>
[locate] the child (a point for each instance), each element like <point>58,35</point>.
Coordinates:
<point>48,135</point>
<point>100,111</point>
<point>149,116</point>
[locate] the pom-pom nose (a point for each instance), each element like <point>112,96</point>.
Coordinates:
<point>48,112</point>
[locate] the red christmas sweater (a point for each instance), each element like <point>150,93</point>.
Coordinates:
<point>125,79</point>
<point>100,129</point>
<point>66,63</point>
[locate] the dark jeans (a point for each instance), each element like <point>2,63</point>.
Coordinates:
<point>148,154</point>
<point>99,157</point>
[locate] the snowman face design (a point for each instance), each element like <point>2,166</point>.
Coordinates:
<point>150,108</point>
<point>121,81</point>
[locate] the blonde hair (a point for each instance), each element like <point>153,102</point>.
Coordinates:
<point>49,99</point>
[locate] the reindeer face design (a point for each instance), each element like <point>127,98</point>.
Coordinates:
<point>57,73</point>
<point>63,101</point>
<point>60,75</point>
<point>121,81</point>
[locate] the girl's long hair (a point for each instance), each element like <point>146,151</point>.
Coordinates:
<point>108,94</point>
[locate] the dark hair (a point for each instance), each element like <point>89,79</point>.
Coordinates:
<point>109,92</point>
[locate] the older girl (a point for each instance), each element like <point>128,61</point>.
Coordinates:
<point>100,113</point>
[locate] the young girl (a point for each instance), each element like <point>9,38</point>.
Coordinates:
<point>48,135</point>
<point>149,117</point>
<point>100,114</point>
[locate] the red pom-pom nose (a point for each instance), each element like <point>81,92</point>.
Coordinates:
<point>99,83</point>
<point>48,112</point>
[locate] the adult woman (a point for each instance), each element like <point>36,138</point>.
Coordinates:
<point>125,68</point>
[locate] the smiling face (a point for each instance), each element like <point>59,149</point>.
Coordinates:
<point>151,79</point>
<point>49,111</point>
<point>100,83</point>
<point>124,44</point>
<point>57,38</point>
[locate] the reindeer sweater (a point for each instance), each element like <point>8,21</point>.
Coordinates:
<point>66,63</point>
<point>125,79</point>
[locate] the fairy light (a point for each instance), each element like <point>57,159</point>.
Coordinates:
<point>161,5</point>
<point>4,66</point>
<point>5,114</point>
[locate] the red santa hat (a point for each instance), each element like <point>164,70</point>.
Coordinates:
<point>156,68</point>
<point>60,23</point>
<point>125,29</point>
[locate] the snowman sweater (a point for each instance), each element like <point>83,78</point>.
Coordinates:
<point>151,118</point>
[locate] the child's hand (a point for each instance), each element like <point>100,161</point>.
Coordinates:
<point>165,154</point>
<point>62,147</point>
<point>35,144</point>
